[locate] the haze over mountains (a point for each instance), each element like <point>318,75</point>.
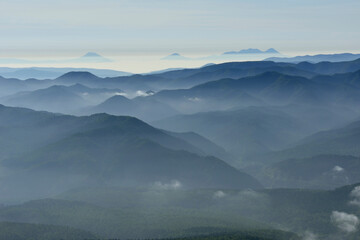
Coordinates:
<point>108,143</point>
<point>237,148</point>
<point>241,55</point>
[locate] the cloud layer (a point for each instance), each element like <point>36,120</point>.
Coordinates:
<point>345,222</point>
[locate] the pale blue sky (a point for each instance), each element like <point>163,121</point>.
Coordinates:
<point>192,27</point>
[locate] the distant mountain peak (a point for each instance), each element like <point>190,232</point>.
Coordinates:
<point>271,50</point>
<point>250,50</point>
<point>92,54</point>
<point>93,57</point>
<point>175,56</point>
<point>253,51</point>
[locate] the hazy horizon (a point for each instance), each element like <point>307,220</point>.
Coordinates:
<point>138,63</point>
<point>138,33</point>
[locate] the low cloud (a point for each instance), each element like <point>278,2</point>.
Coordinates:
<point>173,185</point>
<point>355,195</point>
<point>338,169</point>
<point>121,94</point>
<point>219,194</point>
<point>140,93</point>
<point>345,222</point>
<point>309,236</point>
<point>194,99</point>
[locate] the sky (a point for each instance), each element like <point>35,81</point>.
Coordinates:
<point>144,28</point>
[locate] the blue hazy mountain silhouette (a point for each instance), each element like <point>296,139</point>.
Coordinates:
<point>254,51</point>
<point>175,56</point>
